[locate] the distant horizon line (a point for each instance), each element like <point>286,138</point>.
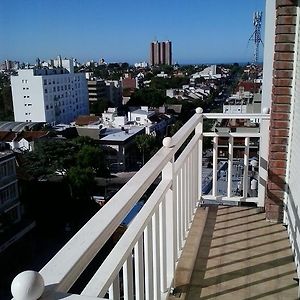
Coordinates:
<point>132,63</point>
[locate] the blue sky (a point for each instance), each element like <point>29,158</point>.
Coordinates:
<point>121,30</point>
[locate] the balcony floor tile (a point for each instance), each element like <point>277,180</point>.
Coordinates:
<point>248,258</point>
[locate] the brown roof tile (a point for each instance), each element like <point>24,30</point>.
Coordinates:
<point>86,120</point>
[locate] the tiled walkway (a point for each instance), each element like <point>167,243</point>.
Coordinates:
<point>242,256</point>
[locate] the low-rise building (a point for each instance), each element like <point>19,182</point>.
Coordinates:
<point>208,73</point>
<point>22,141</point>
<point>140,116</point>
<point>122,142</point>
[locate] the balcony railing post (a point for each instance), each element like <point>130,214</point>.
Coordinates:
<point>168,173</point>
<point>199,130</point>
<point>263,159</point>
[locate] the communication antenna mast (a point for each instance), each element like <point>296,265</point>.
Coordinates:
<point>256,35</point>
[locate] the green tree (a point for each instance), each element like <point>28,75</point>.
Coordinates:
<point>147,96</point>
<point>168,83</point>
<point>147,145</point>
<point>92,157</point>
<point>175,127</point>
<point>48,157</point>
<point>81,181</point>
<point>99,106</point>
<point>6,104</point>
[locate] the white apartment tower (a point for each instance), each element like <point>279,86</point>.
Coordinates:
<point>53,95</point>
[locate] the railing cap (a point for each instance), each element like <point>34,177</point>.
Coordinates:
<point>167,142</point>
<point>199,110</point>
<point>28,285</point>
<point>266,110</point>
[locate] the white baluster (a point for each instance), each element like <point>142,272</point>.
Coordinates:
<point>128,279</point>
<point>186,187</point>
<point>114,289</point>
<point>162,248</point>
<point>179,209</point>
<point>215,166</point>
<point>139,269</point>
<point>230,164</point>
<point>148,262</point>
<point>188,197</point>
<point>183,200</point>
<point>156,260</point>
<point>246,165</point>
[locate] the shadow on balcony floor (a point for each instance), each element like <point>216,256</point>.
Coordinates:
<point>241,256</point>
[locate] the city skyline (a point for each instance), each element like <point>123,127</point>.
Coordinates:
<point>121,31</point>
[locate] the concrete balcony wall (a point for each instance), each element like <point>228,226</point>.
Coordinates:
<point>283,74</point>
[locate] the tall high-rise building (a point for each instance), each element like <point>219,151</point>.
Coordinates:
<point>161,53</point>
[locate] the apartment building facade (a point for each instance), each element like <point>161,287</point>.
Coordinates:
<point>49,95</point>
<point>10,210</point>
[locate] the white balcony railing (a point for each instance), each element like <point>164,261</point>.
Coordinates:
<point>142,264</point>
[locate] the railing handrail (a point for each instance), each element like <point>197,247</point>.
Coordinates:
<point>236,116</point>
<point>64,269</point>
<point>104,275</point>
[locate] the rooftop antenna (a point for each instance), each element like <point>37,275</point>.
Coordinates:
<point>256,35</point>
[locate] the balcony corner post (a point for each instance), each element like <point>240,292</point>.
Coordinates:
<point>263,158</point>
<point>171,221</point>
<point>199,130</point>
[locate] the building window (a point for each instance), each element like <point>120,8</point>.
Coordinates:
<point>46,91</point>
<point>45,81</point>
